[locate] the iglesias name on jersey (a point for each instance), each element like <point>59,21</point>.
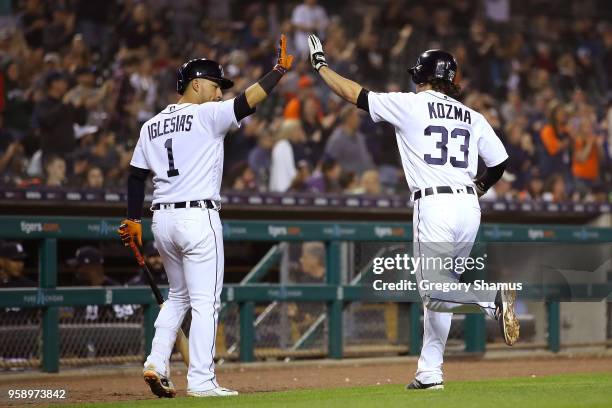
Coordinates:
<point>183,147</point>
<point>439,138</point>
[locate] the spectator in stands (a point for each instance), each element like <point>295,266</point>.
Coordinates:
<point>512,107</point>
<point>308,18</point>
<point>317,131</point>
<point>556,141</point>
<point>12,257</point>
<point>347,145</point>
<point>293,109</point>
<point>13,164</point>
<point>155,264</point>
<point>326,179</point>
<point>565,79</point>
<point>287,152</point>
<point>535,186</point>
<point>55,118</point>
<point>369,52</point>
<point>95,178</point>
<point>502,191</point>
<point>586,150</point>
<point>589,75</point>
<point>32,22</point>
<point>120,80</point>
<point>55,170</point>
<point>260,158</point>
<point>124,95</point>
<point>520,151</point>
<point>135,30</point>
<point>87,94</point>
<point>59,31</point>
<point>16,102</point>
<point>244,178</point>
<point>370,182</point>
<point>555,190</point>
<point>257,42</point>
<point>9,148</point>
<point>300,181</point>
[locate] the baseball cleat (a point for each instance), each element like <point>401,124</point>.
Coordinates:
<point>215,392</point>
<point>506,316</point>
<point>160,384</point>
<point>417,385</point>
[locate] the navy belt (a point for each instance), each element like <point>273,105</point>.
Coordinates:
<point>212,205</point>
<point>443,190</point>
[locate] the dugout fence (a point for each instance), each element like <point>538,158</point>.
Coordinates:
<point>257,318</point>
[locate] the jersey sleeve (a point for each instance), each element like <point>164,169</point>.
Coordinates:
<point>221,116</point>
<point>138,157</point>
<point>490,148</point>
<point>389,107</point>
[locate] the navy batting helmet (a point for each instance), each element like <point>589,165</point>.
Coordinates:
<point>434,64</point>
<point>200,68</point>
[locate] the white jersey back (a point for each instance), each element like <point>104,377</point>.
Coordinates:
<point>439,138</point>
<point>183,147</point>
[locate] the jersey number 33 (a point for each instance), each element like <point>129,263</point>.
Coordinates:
<point>441,145</point>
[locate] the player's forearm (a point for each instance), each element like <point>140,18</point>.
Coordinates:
<point>136,192</point>
<point>343,87</point>
<point>257,92</point>
<point>490,176</point>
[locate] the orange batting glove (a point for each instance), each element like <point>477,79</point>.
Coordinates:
<point>284,60</point>
<point>130,231</point>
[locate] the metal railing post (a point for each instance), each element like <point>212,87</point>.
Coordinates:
<point>553,311</point>
<point>149,315</point>
<point>416,329</point>
<point>474,330</point>
<point>334,308</point>
<point>47,271</point>
<point>247,332</point>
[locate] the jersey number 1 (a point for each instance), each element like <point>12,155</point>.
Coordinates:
<point>443,132</point>
<point>172,172</point>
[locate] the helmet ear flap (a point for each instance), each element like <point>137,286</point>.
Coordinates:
<point>415,72</point>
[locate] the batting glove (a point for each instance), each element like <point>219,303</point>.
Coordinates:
<point>285,60</point>
<point>480,190</point>
<point>317,57</point>
<point>130,231</point>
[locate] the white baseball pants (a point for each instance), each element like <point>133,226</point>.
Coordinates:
<point>190,242</point>
<point>444,225</point>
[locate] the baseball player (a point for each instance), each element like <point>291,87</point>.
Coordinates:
<point>182,146</point>
<point>439,140</point>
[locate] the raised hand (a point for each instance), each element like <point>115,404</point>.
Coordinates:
<point>284,60</point>
<point>317,57</point>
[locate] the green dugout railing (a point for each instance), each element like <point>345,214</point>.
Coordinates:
<point>47,297</point>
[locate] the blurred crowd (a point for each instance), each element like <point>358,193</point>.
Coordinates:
<point>78,78</point>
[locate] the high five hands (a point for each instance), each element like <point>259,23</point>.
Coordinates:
<point>317,57</point>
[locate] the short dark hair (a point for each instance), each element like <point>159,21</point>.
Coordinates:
<point>447,88</point>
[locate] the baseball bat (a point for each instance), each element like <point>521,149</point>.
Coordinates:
<point>182,342</point>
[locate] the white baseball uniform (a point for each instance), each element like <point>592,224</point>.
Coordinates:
<point>183,147</point>
<point>439,140</point>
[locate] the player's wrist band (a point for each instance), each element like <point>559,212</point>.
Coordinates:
<point>269,81</point>
<point>280,68</point>
<point>362,100</point>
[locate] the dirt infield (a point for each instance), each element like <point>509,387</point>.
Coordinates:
<point>126,384</point>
